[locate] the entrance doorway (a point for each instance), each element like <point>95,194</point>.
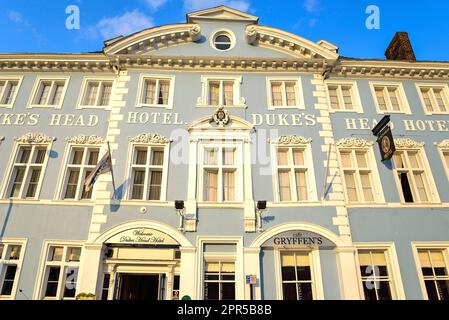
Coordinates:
<point>140,287</point>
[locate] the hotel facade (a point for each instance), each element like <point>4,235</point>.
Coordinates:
<point>243,167</point>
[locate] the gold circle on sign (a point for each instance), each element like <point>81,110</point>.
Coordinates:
<point>386,144</point>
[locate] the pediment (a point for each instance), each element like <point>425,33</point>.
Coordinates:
<point>208,123</point>
<point>221,13</point>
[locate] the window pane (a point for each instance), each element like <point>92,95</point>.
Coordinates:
<point>305,291</point>
<point>367,187</point>
<point>155,185</point>
<point>282,157</point>
<point>276,93</point>
<point>86,194</point>
<point>74,254</point>
<point>398,160</point>
<point>228,291</point>
<point>211,157</point>
<point>40,155</point>
<point>214,93</point>
<point>77,156</point>
<point>2,247</point>
<point>427,100</point>
<point>333,95</point>
<point>393,92</point>
<point>290,88</point>
<point>141,157</point>
<point>351,187</point>
<point>91,94</point>
<point>93,157</point>
<point>150,92</point>
<point>105,290</point>
<point>346,159</point>
<point>43,93</point>
<point>361,159</point>
<point>158,158</point>
<point>8,281</point>
<point>347,98</point>
<point>414,160</point>
<point>19,174</point>
<point>381,98</point>
<point>57,93</point>
<point>419,180</point>
<point>440,100</point>
<point>72,184</point>
<point>34,180</point>
<point>210,185</point>
<point>298,157</point>
<point>52,282</point>
<point>138,184</point>
<point>105,95</point>
<point>443,289</point>
<point>9,92</point>
<point>24,155</point>
<point>301,186</point>
<point>229,185</point>
<point>211,291</point>
<point>431,289</point>
<point>289,291</point>
<point>228,157</point>
<point>56,253</point>
<point>14,252</point>
<point>228,93</point>
<point>284,186</point>
<point>164,90</point>
<point>406,187</point>
<point>70,282</point>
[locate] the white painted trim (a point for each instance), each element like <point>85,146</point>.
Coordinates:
<point>239,101</point>
<point>23,243</point>
<point>300,104</point>
<point>141,86</point>
<point>39,284</point>
<point>394,271</point>
<point>238,257</point>
<point>82,93</point>
<point>417,245</point>
<point>37,82</point>
<point>403,103</point>
<point>441,151</point>
<point>13,100</point>
<point>355,95</point>
<point>315,268</point>
<point>433,85</point>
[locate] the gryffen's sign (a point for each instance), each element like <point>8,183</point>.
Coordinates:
<point>299,239</point>
<point>142,236</point>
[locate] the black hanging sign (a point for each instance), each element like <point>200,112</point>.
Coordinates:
<point>385,139</point>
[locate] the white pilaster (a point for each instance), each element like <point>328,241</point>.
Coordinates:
<point>90,269</point>
<point>252,267</point>
<point>188,276</point>
<point>347,271</point>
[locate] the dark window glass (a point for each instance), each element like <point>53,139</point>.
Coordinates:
<point>304,273</point>
<point>228,291</point>
<point>52,283</point>
<point>443,289</point>
<point>305,291</point>
<point>105,291</point>
<point>431,290</point>
<point>383,290</point>
<point>288,274</point>
<point>70,283</point>
<point>406,190</point>
<point>289,290</point>
<point>211,291</point>
<point>8,282</point>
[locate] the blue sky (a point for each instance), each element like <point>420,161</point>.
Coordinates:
<point>40,25</point>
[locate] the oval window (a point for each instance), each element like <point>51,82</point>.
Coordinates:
<point>222,42</point>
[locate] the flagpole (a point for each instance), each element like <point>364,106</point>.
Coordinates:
<point>112,171</point>
<point>327,172</point>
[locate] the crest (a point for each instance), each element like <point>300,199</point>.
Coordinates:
<point>221,117</point>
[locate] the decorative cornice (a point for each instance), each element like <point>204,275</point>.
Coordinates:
<point>354,142</point>
<point>150,138</point>
<point>35,138</point>
<point>405,143</point>
<point>292,140</point>
<point>443,144</point>
<point>86,139</point>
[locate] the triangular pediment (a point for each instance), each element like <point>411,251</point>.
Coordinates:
<point>221,13</point>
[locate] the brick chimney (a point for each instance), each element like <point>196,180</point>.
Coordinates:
<point>400,48</point>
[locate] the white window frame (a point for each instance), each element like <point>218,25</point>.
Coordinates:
<point>12,161</point>
<point>432,191</point>
<point>441,151</point>
<point>445,91</point>
<point>14,97</point>
<point>225,32</point>
<point>355,95</point>
<point>40,287</point>
<point>394,272</point>
<point>238,100</point>
<point>37,84</point>
<point>315,268</point>
<point>375,177</point>
<point>310,174</point>
<point>237,257</point>
<point>131,151</point>
<point>62,183</point>
<point>443,246</point>
<point>299,93</point>
<point>18,263</point>
<point>157,78</point>
<point>402,97</point>
<point>84,86</point>
<point>239,187</point>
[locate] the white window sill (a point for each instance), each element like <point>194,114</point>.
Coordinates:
<point>237,106</point>
<point>156,106</point>
<point>356,110</point>
<point>220,205</point>
<point>8,106</point>
<point>41,106</point>
<point>95,107</point>
<point>286,107</point>
<point>393,112</point>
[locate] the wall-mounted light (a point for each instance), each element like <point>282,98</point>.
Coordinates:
<point>179,206</point>
<point>261,207</point>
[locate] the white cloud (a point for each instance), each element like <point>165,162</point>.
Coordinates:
<point>125,24</point>
<point>15,16</point>
<point>156,4</point>
<point>311,5</point>
<point>194,5</point>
